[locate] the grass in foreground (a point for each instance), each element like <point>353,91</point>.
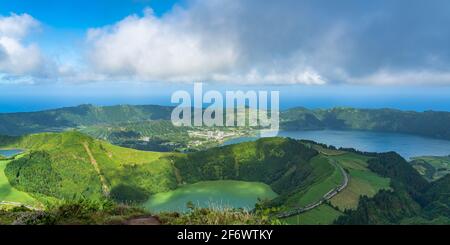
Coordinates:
<point>217,216</point>
<point>104,212</point>
<point>72,212</point>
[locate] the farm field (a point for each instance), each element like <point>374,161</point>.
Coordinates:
<point>363,182</point>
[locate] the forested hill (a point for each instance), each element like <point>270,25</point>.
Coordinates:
<point>411,201</point>
<point>429,123</point>
<point>84,115</point>
<point>61,165</point>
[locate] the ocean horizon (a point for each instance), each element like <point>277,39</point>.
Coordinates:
<point>9,104</point>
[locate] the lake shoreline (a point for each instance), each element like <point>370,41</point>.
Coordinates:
<point>407,145</point>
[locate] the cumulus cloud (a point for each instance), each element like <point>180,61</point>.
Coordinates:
<point>202,42</point>
<point>149,48</point>
<point>17,57</point>
<point>311,42</point>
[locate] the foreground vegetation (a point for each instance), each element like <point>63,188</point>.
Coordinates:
<point>76,211</point>
<point>105,212</point>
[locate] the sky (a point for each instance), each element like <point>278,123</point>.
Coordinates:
<point>318,53</point>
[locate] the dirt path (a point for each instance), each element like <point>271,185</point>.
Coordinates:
<point>94,163</point>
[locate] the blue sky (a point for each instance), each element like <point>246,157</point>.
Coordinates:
<point>333,53</point>
<point>82,14</point>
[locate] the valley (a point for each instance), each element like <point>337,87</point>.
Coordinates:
<point>148,127</point>
<point>291,175</point>
<point>179,173</point>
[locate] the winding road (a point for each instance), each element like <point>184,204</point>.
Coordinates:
<point>330,194</point>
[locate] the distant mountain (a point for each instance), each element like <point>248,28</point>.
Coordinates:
<point>84,115</point>
<point>127,124</point>
<point>429,123</point>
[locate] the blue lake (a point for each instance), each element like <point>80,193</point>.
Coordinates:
<point>10,152</point>
<point>406,145</point>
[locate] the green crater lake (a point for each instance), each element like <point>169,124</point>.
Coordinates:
<point>221,193</point>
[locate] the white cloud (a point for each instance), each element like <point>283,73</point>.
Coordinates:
<point>149,48</point>
<point>244,42</point>
<point>183,46</point>
<point>17,57</point>
<point>306,76</point>
<point>409,77</point>
<point>17,26</point>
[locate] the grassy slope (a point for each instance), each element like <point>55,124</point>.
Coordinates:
<point>322,215</point>
<point>330,177</point>
<point>9,193</point>
<point>363,182</point>
<point>58,165</point>
<point>432,167</point>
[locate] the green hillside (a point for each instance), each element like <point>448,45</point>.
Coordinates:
<point>382,188</point>
<point>10,194</point>
<point>411,200</point>
<point>429,123</point>
<point>62,165</point>
<point>432,167</point>
<point>71,117</point>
